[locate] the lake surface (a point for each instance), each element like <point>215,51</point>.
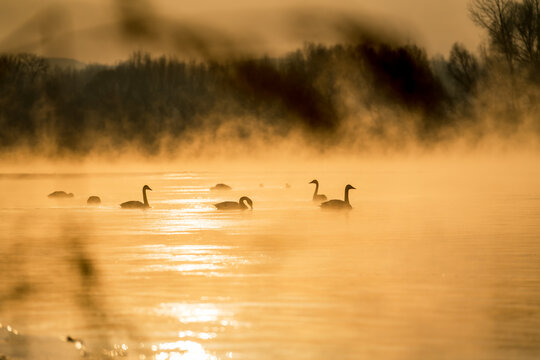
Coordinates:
<point>430,264</point>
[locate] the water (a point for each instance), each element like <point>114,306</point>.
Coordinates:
<point>437,264</point>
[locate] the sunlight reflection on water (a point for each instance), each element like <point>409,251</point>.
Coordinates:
<point>190,259</point>
<point>196,313</point>
<point>183,224</point>
<point>420,267</point>
<point>182,350</point>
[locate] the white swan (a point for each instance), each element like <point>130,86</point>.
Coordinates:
<point>339,204</point>
<point>233,205</point>
<point>316,196</point>
<point>138,204</point>
<point>221,187</point>
<point>60,195</point>
<point>93,200</point>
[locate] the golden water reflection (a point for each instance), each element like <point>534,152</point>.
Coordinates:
<point>181,350</point>
<point>424,265</point>
<point>190,259</point>
<point>213,318</point>
<point>198,313</point>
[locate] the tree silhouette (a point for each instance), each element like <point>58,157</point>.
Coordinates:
<point>464,68</point>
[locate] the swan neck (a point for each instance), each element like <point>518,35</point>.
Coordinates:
<point>145,199</point>
<point>347,195</point>
<point>246,204</point>
<point>316,189</point>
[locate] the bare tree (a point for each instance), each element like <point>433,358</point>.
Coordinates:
<point>22,67</point>
<point>527,34</point>
<point>513,28</point>
<point>463,67</point>
<point>498,18</point>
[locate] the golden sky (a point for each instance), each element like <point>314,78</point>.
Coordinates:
<point>89,31</point>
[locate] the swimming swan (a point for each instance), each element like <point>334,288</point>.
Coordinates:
<point>317,197</point>
<point>233,205</point>
<point>93,200</point>
<point>221,187</point>
<point>137,204</point>
<point>60,195</point>
<point>339,204</point>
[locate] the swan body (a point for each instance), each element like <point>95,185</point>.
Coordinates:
<point>339,204</point>
<point>60,195</point>
<point>316,196</point>
<point>138,204</point>
<point>93,200</point>
<point>221,187</point>
<point>233,205</point>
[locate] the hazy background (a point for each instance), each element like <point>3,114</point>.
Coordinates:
<point>132,79</point>
<point>85,30</point>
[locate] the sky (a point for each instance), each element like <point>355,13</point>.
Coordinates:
<point>88,30</point>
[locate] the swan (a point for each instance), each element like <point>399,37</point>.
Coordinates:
<point>233,205</point>
<point>60,195</point>
<point>317,197</point>
<point>138,204</point>
<point>339,204</point>
<point>93,200</point>
<point>221,187</point>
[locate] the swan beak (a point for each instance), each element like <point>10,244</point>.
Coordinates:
<point>312,182</point>
<point>149,188</point>
<point>353,188</point>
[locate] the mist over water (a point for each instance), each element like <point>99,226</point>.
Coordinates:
<point>355,84</point>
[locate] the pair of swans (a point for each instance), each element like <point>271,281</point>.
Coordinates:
<point>332,204</point>
<point>226,205</point>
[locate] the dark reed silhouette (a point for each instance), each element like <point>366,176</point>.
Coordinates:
<point>137,204</point>
<point>316,196</point>
<point>93,200</point>
<point>339,204</point>
<point>233,205</point>
<point>60,195</point>
<point>221,187</point>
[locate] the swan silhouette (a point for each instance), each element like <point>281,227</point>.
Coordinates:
<point>137,204</point>
<point>339,204</point>
<point>316,196</point>
<point>93,200</point>
<point>221,187</point>
<point>60,195</point>
<point>233,205</point>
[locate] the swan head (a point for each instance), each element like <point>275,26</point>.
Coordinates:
<point>313,182</point>
<point>146,187</point>
<point>248,200</point>
<point>349,187</point>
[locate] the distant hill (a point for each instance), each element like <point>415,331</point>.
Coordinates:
<point>65,63</point>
